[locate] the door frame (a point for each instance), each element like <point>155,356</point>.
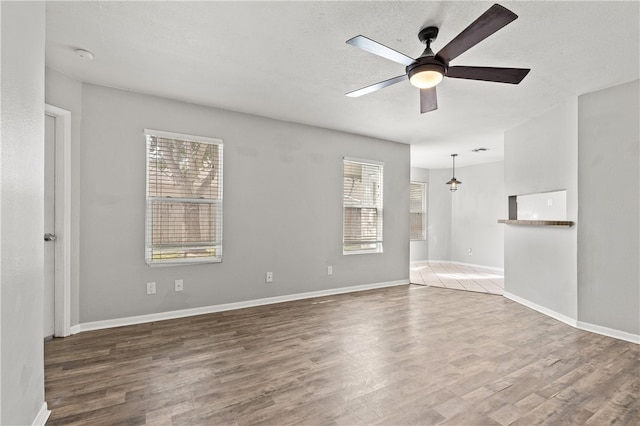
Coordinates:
<point>62,209</point>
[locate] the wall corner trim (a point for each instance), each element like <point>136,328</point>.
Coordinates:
<point>548,312</point>
<point>610,332</point>
<point>598,329</point>
<point>161,316</point>
<point>42,417</point>
<point>474,265</point>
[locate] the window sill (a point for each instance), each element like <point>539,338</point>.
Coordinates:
<point>183,262</point>
<point>348,253</point>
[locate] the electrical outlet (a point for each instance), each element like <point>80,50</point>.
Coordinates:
<point>269,277</point>
<point>179,285</point>
<point>151,288</point>
<point>329,270</point>
<point>470,252</point>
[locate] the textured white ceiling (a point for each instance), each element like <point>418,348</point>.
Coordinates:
<point>289,61</point>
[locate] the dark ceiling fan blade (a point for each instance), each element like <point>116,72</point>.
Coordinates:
<point>428,100</point>
<point>488,23</point>
<point>376,48</point>
<point>499,75</point>
<point>376,86</point>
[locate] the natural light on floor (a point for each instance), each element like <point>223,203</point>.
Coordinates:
<point>457,277</point>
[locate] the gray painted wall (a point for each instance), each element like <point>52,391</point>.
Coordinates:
<point>476,207</point>
<point>419,250</point>
<point>22,212</point>
<point>439,221</point>
<point>283,208</point>
<point>608,237</point>
<point>541,262</point>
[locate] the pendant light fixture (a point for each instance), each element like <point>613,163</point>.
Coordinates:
<point>454,182</point>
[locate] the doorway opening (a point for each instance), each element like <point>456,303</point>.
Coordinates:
<point>57,215</point>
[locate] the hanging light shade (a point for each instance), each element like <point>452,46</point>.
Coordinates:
<point>453,181</point>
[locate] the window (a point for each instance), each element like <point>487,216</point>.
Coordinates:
<point>362,206</point>
<point>418,211</point>
<point>184,199</point>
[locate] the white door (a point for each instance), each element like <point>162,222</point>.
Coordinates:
<point>49,224</point>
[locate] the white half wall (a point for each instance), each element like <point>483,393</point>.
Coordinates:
<point>282,208</point>
<point>609,190</point>
<point>22,213</point>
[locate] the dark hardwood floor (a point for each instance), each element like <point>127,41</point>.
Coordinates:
<point>394,356</point>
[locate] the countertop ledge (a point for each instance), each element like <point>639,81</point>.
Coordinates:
<point>536,222</point>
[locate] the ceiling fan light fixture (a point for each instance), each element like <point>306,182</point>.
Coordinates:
<point>426,76</point>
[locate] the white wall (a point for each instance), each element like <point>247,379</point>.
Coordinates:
<point>419,250</point>
<point>476,207</point>
<point>609,189</point>
<point>542,206</point>
<point>22,213</point>
<point>282,207</point>
<point>541,262</point>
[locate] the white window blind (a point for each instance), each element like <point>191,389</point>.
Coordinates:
<point>184,199</point>
<point>362,206</point>
<point>417,211</point>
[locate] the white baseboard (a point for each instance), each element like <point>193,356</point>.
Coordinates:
<point>42,417</point>
<point>598,329</point>
<point>610,332</point>
<point>472,265</point>
<point>548,312</point>
<point>119,322</point>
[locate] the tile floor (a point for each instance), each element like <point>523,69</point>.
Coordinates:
<point>457,277</point>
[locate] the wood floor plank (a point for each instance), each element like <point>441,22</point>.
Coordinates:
<point>393,356</point>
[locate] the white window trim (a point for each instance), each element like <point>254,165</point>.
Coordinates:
<point>219,225</point>
<point>423,211</point>
<point>363,160</point>
<point>381,210</point>
<point>182,136</point>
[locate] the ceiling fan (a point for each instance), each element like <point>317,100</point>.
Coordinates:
<point>426,71</point>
